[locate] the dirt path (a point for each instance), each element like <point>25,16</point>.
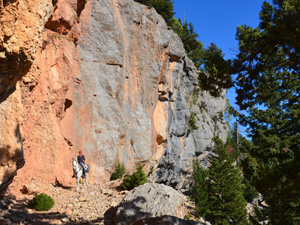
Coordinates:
<point>93,204</point>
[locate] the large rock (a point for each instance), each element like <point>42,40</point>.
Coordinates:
<point>167,220</point>
<point>150,200</point>
<point>108,77</point>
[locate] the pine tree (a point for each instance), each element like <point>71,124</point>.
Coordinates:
<point>199,189</point>
<point>228,205</point>
<point>268,67</point>
<point>218,70</point>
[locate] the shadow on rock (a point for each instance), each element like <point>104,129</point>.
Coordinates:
<point>127,212</point>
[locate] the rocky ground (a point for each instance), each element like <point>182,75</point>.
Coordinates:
<point>92,204</point>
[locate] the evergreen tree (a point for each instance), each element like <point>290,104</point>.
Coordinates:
<point>199,189</point>
<point>192,46</point>
<point>218,70</point>
<point>228,205</point>
<point>268,67</point>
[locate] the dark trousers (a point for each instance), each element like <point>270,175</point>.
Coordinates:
<point>83,168</point>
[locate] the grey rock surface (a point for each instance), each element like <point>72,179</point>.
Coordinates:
<point>186,143</point>
<point>123,92</point>
<point>150,200</point>
<point>167,220</point>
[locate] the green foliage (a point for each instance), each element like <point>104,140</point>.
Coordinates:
<point>41,202</point>
<point>192,46</point>
<point>199,190</point>
<point>163,7</point>
<point>188,36</point>
<point>135,180</point>
<point>202,106</point>
<point>217,71</point>
<point>195,95</point>
<point>218,191</point>
<point>268,90</point>
<point>192,121</point>
<point>228,205</point>
<point>215,75</point>
<point>250,192</point>
<point>131,141</point>
<point>119,171</point>
<point>187,217</point>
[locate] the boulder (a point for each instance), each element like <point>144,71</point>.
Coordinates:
<point>167,220</point>
<point>33,187</point>
<point>150,200</point>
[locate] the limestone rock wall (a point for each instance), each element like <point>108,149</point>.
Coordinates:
<point>107,77</point>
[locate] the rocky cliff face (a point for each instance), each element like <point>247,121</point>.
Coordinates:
<point>107,77</point>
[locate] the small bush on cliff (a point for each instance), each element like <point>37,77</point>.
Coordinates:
<point>120,170</point>
<point>136,179</point>
<point>41,202</point>
<point>192,121</point>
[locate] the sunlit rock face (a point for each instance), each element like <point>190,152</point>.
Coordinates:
<point>105,77</point>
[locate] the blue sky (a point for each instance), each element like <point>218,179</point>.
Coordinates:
<point>216,21</point>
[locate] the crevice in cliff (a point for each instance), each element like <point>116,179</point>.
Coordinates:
<point>68,142</point>
<point>4,3</point>
<point>80,6</point>
<point>54,2</point>
<point>174,58</point>
<point>13,67</point>
<point>160,140</point>
<point>68,104</point>
<point>58,25</point>
<point>114,64</point>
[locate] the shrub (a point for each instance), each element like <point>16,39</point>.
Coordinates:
<point>192,121</point>
<point>136,179</point>
<point>41,202</point>
<point>187,217</point>
<point>118,172</point>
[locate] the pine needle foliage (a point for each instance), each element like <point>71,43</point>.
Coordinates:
<point>218,191</point>
<point>199,190</point>
<point>119,171</point>
<point>41,202</point>
<point>268,91</point>
<point>135,180</point>
<point>228,205</point>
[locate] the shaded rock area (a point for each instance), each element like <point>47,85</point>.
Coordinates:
<point>150,200</point>
<point>21,25</point>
